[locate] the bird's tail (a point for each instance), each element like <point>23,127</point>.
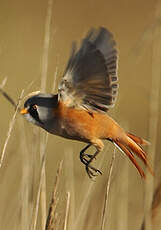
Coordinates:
<point>130,145</point>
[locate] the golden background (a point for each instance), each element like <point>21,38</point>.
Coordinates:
<point>136,26</point>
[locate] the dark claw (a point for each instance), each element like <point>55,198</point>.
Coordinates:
<point>90,169</point>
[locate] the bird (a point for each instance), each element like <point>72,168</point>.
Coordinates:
<point>79,110</point>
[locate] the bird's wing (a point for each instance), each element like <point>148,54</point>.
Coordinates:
<point>90,78</point>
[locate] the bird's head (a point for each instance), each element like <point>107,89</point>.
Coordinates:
<point>39,109</point>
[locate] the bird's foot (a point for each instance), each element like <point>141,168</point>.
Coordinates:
<point>87,159</point>
<point>92,171</point>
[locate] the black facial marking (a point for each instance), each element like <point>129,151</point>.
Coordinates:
<point>33,112</point>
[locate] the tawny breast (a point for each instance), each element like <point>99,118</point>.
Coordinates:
<point>81,125</point>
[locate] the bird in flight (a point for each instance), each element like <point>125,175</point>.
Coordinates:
<point>88,89</point>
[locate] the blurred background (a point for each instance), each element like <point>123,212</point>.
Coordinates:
<point>136,26</point>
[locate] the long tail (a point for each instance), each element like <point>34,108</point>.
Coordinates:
<point>130,145</point>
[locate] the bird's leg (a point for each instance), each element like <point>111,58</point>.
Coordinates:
<point>83,155</point>
<point>90,169</point>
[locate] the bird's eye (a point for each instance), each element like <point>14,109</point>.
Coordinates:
<point>34,107</point>
<point>34,113</point>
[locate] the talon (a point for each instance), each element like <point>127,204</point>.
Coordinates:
<point>89,171</point>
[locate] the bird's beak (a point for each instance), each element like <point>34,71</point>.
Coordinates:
<point>24,111</point>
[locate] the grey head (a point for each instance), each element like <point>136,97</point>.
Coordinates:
<point>38,109</point>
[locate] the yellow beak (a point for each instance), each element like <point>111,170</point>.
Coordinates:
<point>24,111</point>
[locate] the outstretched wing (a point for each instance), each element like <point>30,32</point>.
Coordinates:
<point>90,78</point>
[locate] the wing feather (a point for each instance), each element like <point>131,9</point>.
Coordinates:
<point>90,79</point>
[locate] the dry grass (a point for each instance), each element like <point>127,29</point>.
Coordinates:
<point>43,135</point>
<point>51,219</point>
<point>67,211</point>
<point>12,122</point>
<point>153,121</point>
<point>107,192</point>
